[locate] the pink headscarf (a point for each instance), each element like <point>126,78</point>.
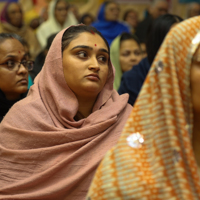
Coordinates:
<point>44,152</point>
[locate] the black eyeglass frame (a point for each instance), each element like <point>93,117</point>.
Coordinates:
<point>18,64</point>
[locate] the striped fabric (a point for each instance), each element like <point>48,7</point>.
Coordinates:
<point>164,166</point>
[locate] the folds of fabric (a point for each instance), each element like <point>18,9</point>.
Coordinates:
<point>44,152</point>
<point>164,167</point>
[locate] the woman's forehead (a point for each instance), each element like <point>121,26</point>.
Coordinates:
<point>89,38</point>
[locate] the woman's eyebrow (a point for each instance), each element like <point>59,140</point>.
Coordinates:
<point>15,56</point>
<point>82,46</point>
<point>90,48</point>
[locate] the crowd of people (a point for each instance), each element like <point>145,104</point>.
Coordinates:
<point>97,108</point>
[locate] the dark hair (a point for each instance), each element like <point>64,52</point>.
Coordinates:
<point>108,2</point>
<point>50,40</point>
<point>73,32</point>
<point>5,36</point>
<point>127,13</point>
<point>129,36</point>
<point>68,5</point>
<point>157,32</point>
<point>82,20</point>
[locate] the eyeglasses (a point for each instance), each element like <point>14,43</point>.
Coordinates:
<point>14,65</point>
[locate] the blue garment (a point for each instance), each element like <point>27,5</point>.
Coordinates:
<point>109,29</point>
<point>133,80</point>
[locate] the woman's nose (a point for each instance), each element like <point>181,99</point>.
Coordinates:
<point>22,69</point>
<point>94,65</point>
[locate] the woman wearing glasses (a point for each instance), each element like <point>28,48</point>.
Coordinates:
<point>14,68</point>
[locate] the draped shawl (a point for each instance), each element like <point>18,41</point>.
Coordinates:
<point>164,167</point>
<point>44,152</point>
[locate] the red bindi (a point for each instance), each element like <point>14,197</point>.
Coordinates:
<point>19,52</point>
<point>95,45</point>
<point>92,32</point>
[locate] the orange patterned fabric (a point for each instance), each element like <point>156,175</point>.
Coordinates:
<point>164,166</point>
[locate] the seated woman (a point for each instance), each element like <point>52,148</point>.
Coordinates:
<point>52,142</point>
<point>132,81</point>
<point>157,156</point>
<point>131,18</point>
<point>12,22</point>
<point>59,17</point>
<point>107,21</point>
<point>125,52</point>
<point>14,68</point>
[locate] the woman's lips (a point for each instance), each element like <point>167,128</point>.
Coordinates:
<point>23,81</point>
<point>93,77</point>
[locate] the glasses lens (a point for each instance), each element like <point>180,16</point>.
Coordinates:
<point>29,65</point>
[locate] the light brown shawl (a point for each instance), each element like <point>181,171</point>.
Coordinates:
<point>26,33</point>
<point>164,166</point>
<point>44,152</point>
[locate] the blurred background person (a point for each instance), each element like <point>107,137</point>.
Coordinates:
<point>132,80</point>
<point>193,9</point>
<point>87,19</point>
<point>59,17</point>
<point>125,52</point>
<point>74,9</point>
<point>14,67</point>
<point>40,58</point>
<point>156,9</point>
<point>108,21</point>
<point>12,22</point>
<point>131,18</point>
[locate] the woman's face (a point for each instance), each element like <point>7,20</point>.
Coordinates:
<point>195,81</point>
<point>112,12</point>
<point>15,14</point>
<point>132,19</point>
<point>61,12</point>
<point>12,83</point>
<point>85,64</point>
<point>130,54</point>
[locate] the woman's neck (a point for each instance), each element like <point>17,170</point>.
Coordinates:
<point>85,107</point>
<point>196,137</point>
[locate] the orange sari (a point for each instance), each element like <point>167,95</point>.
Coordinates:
<point>160,163</point>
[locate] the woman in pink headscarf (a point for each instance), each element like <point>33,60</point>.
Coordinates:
<point>52,141</point>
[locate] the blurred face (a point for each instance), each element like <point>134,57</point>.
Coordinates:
<point>130,54</point>
<point>195,11</point>
<point>85,64</point>
<point>12,83</point>
<point>195,81</point>
<point>15,14</point>
<point>112,12</point>
<point>88,20</point>
<point>132,19</point>
<point>160,8</point>
<point>61,12</point>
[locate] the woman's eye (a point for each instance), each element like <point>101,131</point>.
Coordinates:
<point>102,59</point>
<point>10,63</point>
<point>137,53</point>
<point>126,54</point>
<point>82,54</point>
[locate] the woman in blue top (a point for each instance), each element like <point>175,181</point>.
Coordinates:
<point>107,21</point>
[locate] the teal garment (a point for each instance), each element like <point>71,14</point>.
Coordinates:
<point>30,81</point>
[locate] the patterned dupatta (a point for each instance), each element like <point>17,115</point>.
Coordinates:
<point>153,158</point>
